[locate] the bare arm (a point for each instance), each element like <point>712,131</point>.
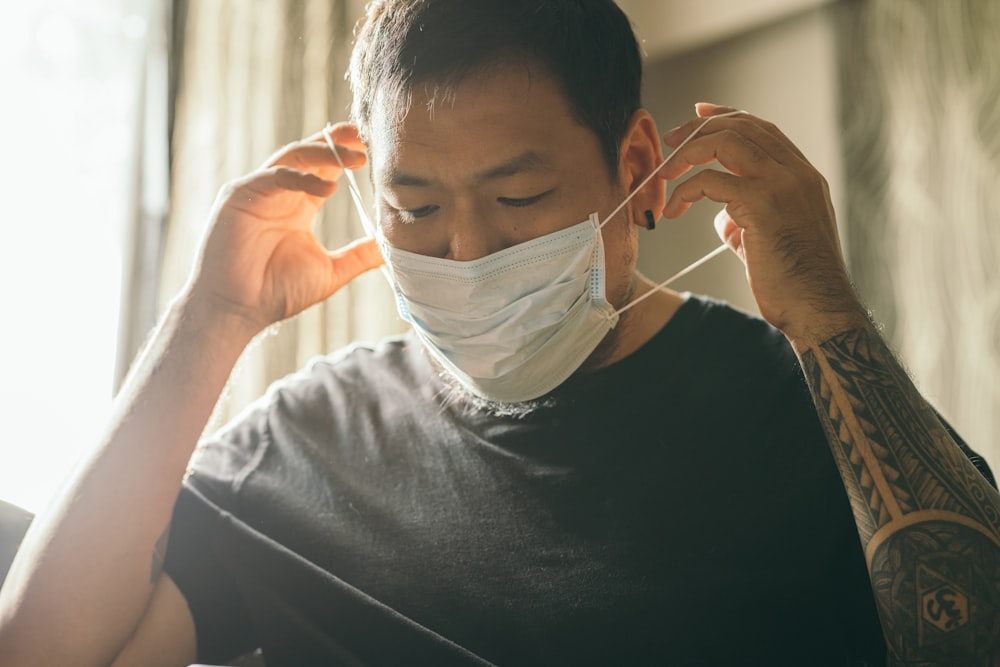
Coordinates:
<point>927,519</point>
<point>88,569</point>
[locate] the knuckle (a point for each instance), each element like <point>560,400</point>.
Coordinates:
<point>745,144</point>
<point>769,127</point>
<point>227,189</point>
<point>814,182</point>
<point>232,188</point>
<point>789,180</point>
<point>824,184</point>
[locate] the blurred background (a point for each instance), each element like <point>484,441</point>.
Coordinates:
<point>122,118</point>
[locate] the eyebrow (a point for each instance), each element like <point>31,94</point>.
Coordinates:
<point>525,162</point>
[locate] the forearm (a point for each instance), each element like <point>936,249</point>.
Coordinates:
<point>86,569</point>
<point>929,522</point>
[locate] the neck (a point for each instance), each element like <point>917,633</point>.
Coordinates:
<point>637,325</point>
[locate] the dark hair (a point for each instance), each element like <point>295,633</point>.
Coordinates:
<point>586,46</point>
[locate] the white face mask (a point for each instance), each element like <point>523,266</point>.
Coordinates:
<point>514,325</point>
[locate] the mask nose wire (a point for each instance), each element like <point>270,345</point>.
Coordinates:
<point>663,164</point>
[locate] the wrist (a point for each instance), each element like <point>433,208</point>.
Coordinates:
<point>214,320</point>
<point>817,326</point>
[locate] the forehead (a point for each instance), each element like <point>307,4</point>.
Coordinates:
<point>488,118</point>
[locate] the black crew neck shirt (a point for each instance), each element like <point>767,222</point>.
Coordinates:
<point>680,507</point>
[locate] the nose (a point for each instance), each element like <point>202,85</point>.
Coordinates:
<point>473,235</point>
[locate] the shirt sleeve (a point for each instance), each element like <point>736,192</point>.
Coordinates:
<point>198,559</point>
<point>197,566</point>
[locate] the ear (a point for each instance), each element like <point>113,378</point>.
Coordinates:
<point>641,154</point>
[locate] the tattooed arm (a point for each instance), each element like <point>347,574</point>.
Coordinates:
<point>928,520</point>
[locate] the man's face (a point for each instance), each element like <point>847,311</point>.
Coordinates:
<point>498,163</point>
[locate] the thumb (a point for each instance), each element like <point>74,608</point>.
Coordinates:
<point>729,232</point>
<point>354,259</point>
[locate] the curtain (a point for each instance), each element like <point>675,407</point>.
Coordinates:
<point>253,77</point>
<point>921,120</point>
<point>147,206</point>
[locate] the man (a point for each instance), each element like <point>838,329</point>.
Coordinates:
<point>672,499</point>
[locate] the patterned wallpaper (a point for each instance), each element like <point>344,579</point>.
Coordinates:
<point>920,113</point>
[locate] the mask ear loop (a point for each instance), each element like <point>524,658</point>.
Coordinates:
<point>663,164</point>
<point>352,186</point>
<point>694,265</point>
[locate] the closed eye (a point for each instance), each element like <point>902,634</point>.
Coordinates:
<point>526,201</point>
<point>421,212</point>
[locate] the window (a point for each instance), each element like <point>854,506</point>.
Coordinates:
<point>71,81</point>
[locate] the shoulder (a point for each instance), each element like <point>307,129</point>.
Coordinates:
<point>719,322</point>
<point>314,409</point>
<point>723,343</point>
<point>714,364</point>
<point>359,370</point>
<point>350,376</point>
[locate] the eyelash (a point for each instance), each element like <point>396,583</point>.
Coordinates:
<point>421,212</point>
<point>518,203</point>
<point>425,211</point>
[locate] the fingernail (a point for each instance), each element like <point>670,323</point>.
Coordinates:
<point>707,108</point>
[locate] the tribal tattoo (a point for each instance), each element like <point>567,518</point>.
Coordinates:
<point>929,522</point>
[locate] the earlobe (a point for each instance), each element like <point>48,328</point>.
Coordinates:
<point>641,155</point>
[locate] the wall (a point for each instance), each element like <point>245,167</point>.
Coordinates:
<point>785,72</point>
<point>678,26</point>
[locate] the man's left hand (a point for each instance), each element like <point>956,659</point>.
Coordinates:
<point>778,219</point>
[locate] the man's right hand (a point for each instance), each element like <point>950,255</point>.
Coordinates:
<point>260,259</point>
<point>84,566</point>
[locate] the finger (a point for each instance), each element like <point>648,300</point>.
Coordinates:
<point>767,134</point>
<point>697,127</point>
<point>763,133</point>
<point>343,134</point>
<point>302,181</point>
<point>733,150</point>
<point>266,182</point>
<point>354,259</point>
<point>708,184</point>
<point>319,156</point>
<point>313,156</point>
<point>772,131</point>
<point>706,109</point>
<point>314,149</point>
